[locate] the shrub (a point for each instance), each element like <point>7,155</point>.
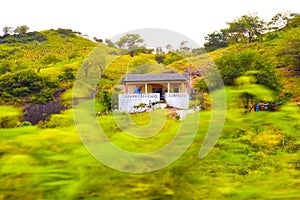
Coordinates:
<point>233,65</point>
<point>67,75</point>
<point>27,83</point>
<point>50,59</point>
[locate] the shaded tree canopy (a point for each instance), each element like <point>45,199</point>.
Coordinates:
<point>233,65</point>
<point>215,40</point>
<point>247,28</point>
<point>130,41</point>
<point>109,43</point>
<point>289,51</point>
<point>281,20</point>
<point>21,29</point>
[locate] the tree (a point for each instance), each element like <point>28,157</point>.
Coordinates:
<point>289,49</point>
<point>27,83</point>
<point>294,22</point>
<point>67,75</point>
<point>98,39</point>
<point>95,59</point>
<point>21,29</point>
<point>281,20</point>
<point>109,43</point>
<point>183,46</point>
<point>168,47</point>
<point>198,51</point>
<point>130,41</point>
<point>233,65</point>
<point>7,30</point>
<point>104,98</point>
<point>216,40</point>
<point>159,50</point>
<point>246,28</point>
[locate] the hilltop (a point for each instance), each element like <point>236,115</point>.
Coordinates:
<point>51,59</point>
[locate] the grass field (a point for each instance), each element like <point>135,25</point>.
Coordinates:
<point>256,157</point>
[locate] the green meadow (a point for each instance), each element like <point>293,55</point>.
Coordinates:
<point>256,157</point>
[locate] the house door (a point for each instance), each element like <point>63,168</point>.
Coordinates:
<point>160,91</point>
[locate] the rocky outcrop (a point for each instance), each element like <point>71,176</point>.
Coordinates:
<point>37,112</point>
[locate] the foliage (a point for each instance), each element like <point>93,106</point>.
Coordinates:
<point>198,51</point>
<point>200,85</point>
<point>9,116</point>
<point>98,39</point>
<point>216,40</point>
<point>5,67</point>
<point>130,41</point>
<point>25,83</point>
<point>21,29</point>
<point>67,75</point>
<point>67,32</point>
<point>23,37</point>
<point>281,20</point>
<point>256,157</point>
<point>171,57</point>
<point>50,59</point>
<point>289,48</point>
<point>247,28</point>
<point>109,43</point>
<point>104,98</point>
<point>233,65</point>
<point>7,30</point>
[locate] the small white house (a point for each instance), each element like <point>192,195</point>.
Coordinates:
<point>174,89</point>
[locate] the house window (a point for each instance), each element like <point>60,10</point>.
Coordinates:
<point>176,90</point>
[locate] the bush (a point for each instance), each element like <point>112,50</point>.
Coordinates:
<point>27,83</point>
<point>50,59</point>
<point>233,65</point>
<point>67,75</point>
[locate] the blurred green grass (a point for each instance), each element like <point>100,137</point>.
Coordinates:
<point>249,160</point>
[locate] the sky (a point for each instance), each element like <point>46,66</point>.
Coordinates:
<point>106,19</point>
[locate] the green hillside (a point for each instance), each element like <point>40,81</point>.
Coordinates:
<point>255,157</point>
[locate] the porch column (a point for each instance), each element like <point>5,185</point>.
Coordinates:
<point>182,87</point>
<point>168,87</point>
<point>126,88</point>
<point>189,89</point>
<point>146,88</point>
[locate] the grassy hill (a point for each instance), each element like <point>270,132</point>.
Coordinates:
<point>256,156</point>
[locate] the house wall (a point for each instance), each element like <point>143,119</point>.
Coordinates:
<point>132,86</point>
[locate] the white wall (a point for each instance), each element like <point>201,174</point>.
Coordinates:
<point>127,101</point>
<point>177,100</point>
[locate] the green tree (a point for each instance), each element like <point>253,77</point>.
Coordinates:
<point>7,30</point>
<point>26,83</point>
<point>21,29</point>
<point>67,75</point>
<point>109,43</point>
<point>130,41</point>
<point>216,40</point>
<point>289,48</point>
<point>200,86</point>
<point>246,28</point>
<point>281,20</point>
<point>104,98</point>
<point>98,39</point>
<point>294,22</point>
<point>233,65</point>
<point>94,63</point>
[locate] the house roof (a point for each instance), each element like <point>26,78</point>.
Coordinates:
<point>155,77</point>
